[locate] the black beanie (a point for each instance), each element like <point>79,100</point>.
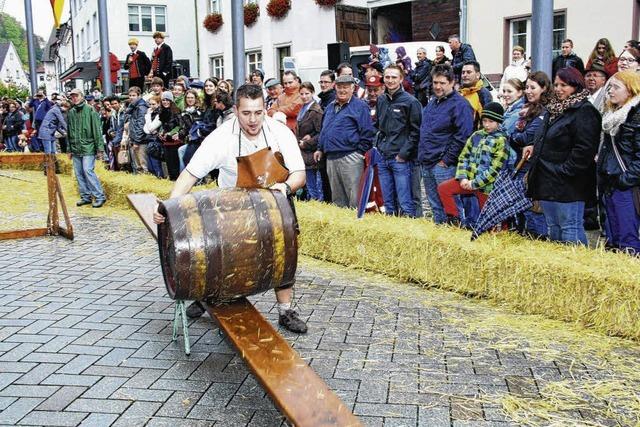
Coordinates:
<point>493,111</point>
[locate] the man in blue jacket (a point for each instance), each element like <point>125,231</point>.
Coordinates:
<point>447,122</point>
<point>399,117</point>
<point>347,133</point>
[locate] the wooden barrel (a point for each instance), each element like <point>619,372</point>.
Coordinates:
<point>223,244</point>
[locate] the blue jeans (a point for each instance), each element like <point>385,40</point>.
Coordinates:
<point>622,221</point>
<point>155,167</point>
<point>49,146</point>
<point>565,221</point>
<point>88,183</point>
<point>181,151</point>
<point>11,143</point>
<point>432,176</point>
<point>314,184</point>
<point>395,180</point>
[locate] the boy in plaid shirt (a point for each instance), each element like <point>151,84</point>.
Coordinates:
<point>484,155</point>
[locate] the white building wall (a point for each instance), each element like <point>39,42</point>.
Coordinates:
<point>306,27</point>
<point>51,81</point>
<point>587,21</point>
<point>12,70</point>
<point>180,34</point>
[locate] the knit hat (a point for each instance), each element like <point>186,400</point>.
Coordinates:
<point>167,95</point>
<point>133,40</point>
<point>493,111</point>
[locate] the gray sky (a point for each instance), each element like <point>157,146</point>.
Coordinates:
<point>42,15</point>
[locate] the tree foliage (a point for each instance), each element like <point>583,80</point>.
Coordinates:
<point>14,92</point>
<point>11,30</point>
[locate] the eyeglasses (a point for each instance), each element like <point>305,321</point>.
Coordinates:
<point>627,60</point>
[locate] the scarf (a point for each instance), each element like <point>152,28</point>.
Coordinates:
<point>612,120</point>
<point>557,107</point>
<point>471,95</point>
<point>304,110</point>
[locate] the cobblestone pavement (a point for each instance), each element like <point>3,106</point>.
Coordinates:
<point>85,339</point>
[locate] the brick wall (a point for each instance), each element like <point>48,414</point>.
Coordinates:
<point>426,13</point>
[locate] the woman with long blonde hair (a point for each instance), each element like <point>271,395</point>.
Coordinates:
<point>619,161</point>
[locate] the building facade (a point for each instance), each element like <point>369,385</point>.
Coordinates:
<point>128,19</point>
<point>495,26</point>
<point>11,69</point>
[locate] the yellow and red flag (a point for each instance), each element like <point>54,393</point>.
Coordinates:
<point>56,5</point>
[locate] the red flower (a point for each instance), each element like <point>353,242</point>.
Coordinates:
<point>213,22</point>
<point>278,9</point>
<point>327,3</point>
<point>251,13</point>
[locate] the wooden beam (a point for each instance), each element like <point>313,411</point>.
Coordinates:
<point>300,394</point>
<point>23,234</point>
<point>12,159</point>
<point>145,205</point>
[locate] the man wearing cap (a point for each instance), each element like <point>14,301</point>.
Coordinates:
<point>595,78</point>
<point>85,144</point>
<point>399,119</point>
<point>138,64</point>
<point>374,88</point>
<point>347,134</point>
<point>162,59</point>
<point>274,90</point>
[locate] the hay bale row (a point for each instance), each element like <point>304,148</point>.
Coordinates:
<point>594,288</point>
<point>591,287</point>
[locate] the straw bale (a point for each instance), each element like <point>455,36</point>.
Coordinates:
<point>593,287</point>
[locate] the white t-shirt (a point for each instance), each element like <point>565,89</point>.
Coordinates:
<point>220,149</point>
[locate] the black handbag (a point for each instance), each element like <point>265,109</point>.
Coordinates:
<point>155,149</point>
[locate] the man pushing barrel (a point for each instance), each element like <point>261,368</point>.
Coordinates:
<point>234,148</point>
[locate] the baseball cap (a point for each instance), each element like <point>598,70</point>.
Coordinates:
<point>271,83</point>
<point>374,81</point>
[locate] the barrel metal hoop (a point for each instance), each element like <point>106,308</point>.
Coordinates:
<point>264,274</point>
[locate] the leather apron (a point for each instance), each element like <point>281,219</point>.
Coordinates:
<point>261,169</point>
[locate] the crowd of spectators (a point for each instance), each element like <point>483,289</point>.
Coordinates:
<point>443,138</point>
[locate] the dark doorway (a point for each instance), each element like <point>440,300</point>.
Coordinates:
<point>392,24</point>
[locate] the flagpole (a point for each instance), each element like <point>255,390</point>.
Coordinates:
<point>104,47</point>
<point>28,13</point>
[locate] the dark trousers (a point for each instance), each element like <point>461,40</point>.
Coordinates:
<point>173,162</point>
<point>138,82</point>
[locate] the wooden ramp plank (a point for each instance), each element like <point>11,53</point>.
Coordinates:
<point>145,205</point>
<point>300,394</point>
